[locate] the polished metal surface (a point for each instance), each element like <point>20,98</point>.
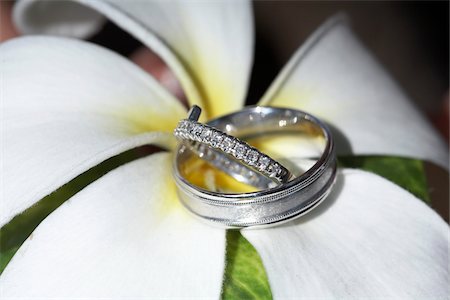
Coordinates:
<point>269,206</point>
<point>230,154</point>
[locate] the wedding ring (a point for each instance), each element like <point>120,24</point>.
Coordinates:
<point>270,206</point>
<point>229,154</point>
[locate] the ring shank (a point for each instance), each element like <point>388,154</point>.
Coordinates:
<point>269,206</point>
<point>232,155</point>
<point>260,210</point>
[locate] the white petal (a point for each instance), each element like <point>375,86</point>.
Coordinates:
<point>67,106</point>
<point>208,44</point>
<point>71,19</point>
<point>334,77</point>
<point>369,239</point>
<point>124,236</point>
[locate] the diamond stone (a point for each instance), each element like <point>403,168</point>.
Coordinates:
<point>182,125</point>
<point>252,157</point>
<point>189,127</point>
<point>180,131</point>
<point>240,151</point>
<point>263,163</point>
<point>206,135</point>
<point>273,169</point>
<point>196,131</point>
<point>216,138</point>
<point>227,144</point>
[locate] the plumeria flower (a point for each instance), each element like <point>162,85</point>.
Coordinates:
<point>126,235</point>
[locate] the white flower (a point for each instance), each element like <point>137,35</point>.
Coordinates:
<point>125,235</point>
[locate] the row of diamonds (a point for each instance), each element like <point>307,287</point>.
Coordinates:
<point>187,129</point>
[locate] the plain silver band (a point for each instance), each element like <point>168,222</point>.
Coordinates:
<point>270,206</point>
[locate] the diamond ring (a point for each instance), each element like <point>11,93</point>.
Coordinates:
<point>230,154</point>
<point>270,206</point>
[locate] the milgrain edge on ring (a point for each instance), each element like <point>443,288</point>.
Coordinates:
<point>266,207</point>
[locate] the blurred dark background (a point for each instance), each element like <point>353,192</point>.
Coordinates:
<point>411,39</point>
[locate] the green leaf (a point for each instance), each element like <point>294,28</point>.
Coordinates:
<point>5,256</point>
<point>405,172</point>
<point>245,276</point>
